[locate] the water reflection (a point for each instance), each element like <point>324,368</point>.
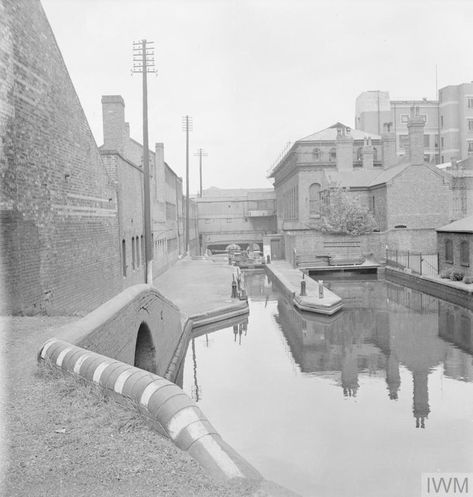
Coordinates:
<point>381,327</point>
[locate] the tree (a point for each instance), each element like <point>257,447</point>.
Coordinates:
<point>343,215</point>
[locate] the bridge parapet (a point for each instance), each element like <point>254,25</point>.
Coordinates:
<point>139,326</point>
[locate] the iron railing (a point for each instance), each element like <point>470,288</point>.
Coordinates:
<point>417,262</point>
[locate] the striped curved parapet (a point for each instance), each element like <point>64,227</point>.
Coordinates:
<point>173,412</point>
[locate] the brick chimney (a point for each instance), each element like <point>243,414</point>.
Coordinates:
<point>344,146</point>
<point>415,127</point>
<point>113,115</point>
<point>367,154</point>
<point>389,146</point>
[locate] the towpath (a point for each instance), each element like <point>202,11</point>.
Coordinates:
<point>60,438</point>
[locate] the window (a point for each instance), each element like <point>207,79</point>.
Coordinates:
<point>441,121</point>
<point>470,124</point>
<point>137,241</point>
<point>465,253</point>
<point>442,141</point>
<point>470,147</point>
<point>332,154</point>
<point>314,199</point>
<point>449,251</point>
<point>375,153</point>
<point>124,258</point>
<point>133,255</point>
<point>469,102</point>
<point>404,118</point>
<point>359,153</point>
<point>404,141</point>
<point>316,153</point>
<point>142,248</point>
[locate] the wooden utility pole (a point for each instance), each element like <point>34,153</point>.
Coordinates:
<point>143,62</point>
<point>187,127</point>
<point>200,153</point>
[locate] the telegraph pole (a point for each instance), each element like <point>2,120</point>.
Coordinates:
<point>187,127</point>
<point>143,62</point>
<point>200,153</point>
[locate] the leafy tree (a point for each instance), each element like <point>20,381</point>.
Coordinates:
<point>343,215</point>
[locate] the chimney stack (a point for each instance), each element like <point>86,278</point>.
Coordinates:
<point>415,127</point>
<point>367,154</point>
<point>344,146</point>
<point>389,146</point>
<point>113,115</point>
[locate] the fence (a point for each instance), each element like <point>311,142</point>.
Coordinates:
<point>423,264</point>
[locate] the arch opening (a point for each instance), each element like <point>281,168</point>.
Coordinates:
<point>145,351</point>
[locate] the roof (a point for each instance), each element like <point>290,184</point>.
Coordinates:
<point>330,134</point>
<point>464,225</point>
<point>365,178</point>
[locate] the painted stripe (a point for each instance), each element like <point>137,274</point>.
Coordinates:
<point>79,362</point>
<point>46,347</point>
<point>121,380</point>
<point>197,430</point>
<point>150,389</point>
<point>180,420</point>
<point>99,370</point>
<point>61,355</point>
<point>221,458</point>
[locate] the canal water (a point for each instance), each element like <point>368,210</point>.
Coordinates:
<point>357,404</point>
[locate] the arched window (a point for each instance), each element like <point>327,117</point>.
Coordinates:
<point>133,254</point>
<point>448,251</point>
<point>316,153</point>
<point>464,253</point>
<point>332,154</point>
<point>314,199</point>
<point>124,258</point>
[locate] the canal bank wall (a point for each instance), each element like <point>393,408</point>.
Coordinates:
<point>454,292</point>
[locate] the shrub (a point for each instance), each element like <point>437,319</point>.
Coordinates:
<point>456,276</point>
<point>468,280</point>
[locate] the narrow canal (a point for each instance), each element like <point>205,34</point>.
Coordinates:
<point>357,404</point>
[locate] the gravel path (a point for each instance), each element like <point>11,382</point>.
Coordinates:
<point>68,439</point>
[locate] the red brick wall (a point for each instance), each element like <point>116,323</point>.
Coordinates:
<point>59,232</point>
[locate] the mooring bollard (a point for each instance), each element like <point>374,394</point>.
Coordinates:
<point>234,289</point>
<point>303,288</point>
<point>321,289</point>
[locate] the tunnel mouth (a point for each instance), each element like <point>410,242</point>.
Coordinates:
<point>145,351</point>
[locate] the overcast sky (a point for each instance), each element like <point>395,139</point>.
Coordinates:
<point>256,74</point>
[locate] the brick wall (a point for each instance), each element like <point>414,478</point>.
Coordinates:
<point>455,263</point>
<point>59,227</point>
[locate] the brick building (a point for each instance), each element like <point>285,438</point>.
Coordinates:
<point>455,246</point>
<point>124,156</point>
<point>241,216</point>
<point>59,222</point>
<point>408,199</point>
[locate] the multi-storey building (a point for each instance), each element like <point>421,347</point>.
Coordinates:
<point>456,122</point>
<point>373,109</point>
<point>449,118</point>
<point>242,216</point>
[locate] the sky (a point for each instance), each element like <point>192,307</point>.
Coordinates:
<point>256,74</point>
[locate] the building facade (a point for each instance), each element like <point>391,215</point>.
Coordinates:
<point>448,130</point>
<point>241,216</point>
<point>373,109</point>
<point>408,200</point>
<point>124,157</point>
